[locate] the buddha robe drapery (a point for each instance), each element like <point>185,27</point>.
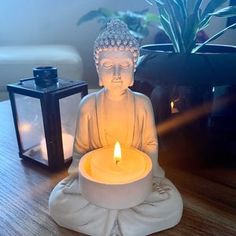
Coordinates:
<point>163,207</point>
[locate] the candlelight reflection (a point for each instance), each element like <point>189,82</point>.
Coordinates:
<point>25,127</point>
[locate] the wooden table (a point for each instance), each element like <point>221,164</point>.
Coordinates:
<point>24,188</point>
<point>209,207</point>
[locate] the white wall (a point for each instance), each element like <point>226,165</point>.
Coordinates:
<point>54,22</point>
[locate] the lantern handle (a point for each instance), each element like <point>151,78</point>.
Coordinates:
<point>25,79</point>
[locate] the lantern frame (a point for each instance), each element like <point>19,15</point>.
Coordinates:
<point>50,108</point>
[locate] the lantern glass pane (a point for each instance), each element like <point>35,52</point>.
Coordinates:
<point>68,112</point>
<point>31,129</point>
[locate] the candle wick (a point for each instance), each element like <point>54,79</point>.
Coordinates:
<point>117,162</point>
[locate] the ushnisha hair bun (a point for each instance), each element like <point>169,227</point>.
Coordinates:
<point>116,36</point>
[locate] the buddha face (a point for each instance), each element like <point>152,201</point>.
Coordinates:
<point>116,70</point>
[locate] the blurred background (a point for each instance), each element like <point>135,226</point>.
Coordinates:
<point>44,22</point>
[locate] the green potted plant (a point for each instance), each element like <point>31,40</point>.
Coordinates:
<point>183,19</point>
<point>185,62</point>
<point>138,22</point>
<point>184,72</point>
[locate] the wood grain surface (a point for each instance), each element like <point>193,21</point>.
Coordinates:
<point>209,206</point>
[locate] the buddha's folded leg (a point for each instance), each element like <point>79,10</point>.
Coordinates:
<point>162,210</point>
<point>70,210</point>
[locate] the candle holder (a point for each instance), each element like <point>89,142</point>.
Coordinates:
<point>115,185</point>
<point>44,113</point>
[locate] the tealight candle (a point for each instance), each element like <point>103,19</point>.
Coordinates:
<point>67,142</point>
<point>118,169</point>
<point>114,182</point>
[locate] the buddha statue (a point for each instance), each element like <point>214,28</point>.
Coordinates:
<point>116,113</point>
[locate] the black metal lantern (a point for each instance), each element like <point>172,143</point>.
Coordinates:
<point>44,110</point>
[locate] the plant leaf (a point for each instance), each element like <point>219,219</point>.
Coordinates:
<point>190,32</point>
<point>225,12</point>
<point>138,35</point>
<point>152,18</point>
<point>215,36</point>
<point>156,1</point>
<point>179,12</point>
<point>144,11</point>
<point>212,6</point>
<point>159,2</point>
<point>175,24</point>
<point>182,5</point>
<point>167,28</point>
<point>149,2</point>
<point>205,22</point>
<point>197,6</point>
<point>191,26</point>
<point>94,14</point>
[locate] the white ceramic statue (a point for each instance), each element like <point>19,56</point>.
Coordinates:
<point>111,114</point>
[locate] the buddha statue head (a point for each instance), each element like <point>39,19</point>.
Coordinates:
<point>116,52</point>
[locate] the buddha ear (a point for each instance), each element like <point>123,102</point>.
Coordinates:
<point>97,69</point>
<point>132,83</point>
<point>100,82</point>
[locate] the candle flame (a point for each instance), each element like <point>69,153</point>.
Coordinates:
<point>172,104</point>
<point>25,127</point>
<point>117,153</point>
